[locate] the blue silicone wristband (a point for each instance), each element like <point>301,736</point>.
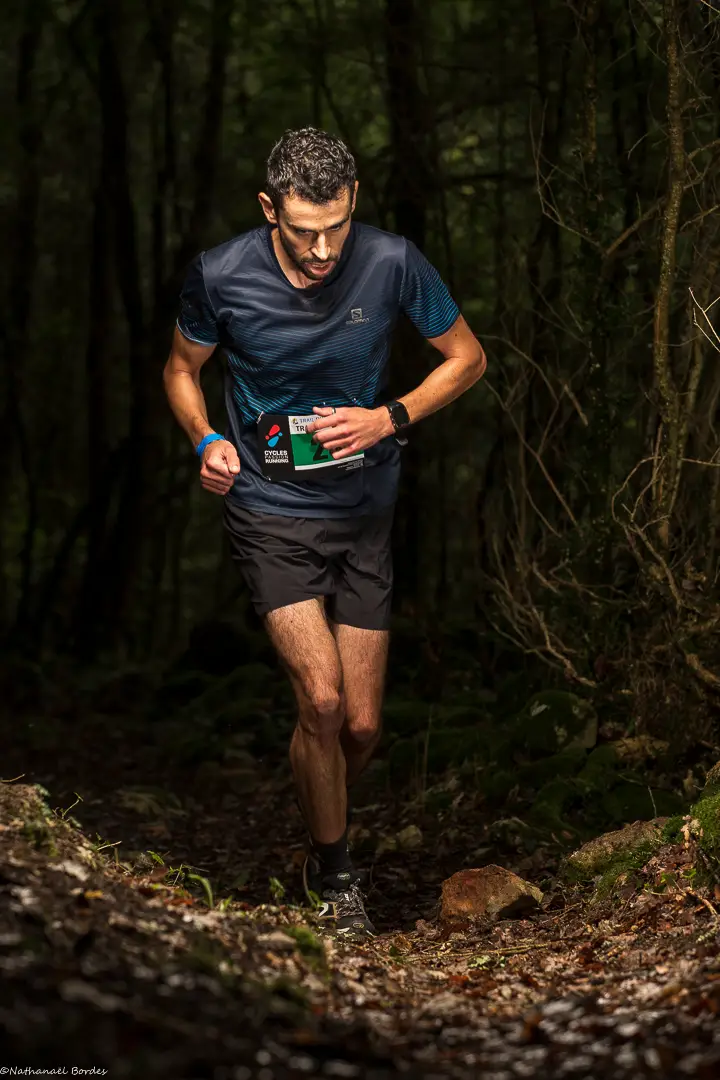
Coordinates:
<point>199,449</point>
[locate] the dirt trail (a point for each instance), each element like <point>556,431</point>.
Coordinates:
<point>126,966</point>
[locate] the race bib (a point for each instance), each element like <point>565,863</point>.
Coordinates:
<point>287,451</point>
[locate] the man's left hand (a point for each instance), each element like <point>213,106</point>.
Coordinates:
<point>347,431</point>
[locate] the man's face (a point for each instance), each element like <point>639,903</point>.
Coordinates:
<point>312,236</point>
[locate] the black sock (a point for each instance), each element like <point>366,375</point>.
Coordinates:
<point>333,857</point>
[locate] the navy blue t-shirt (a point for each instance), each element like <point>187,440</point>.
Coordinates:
<point>291,349</point>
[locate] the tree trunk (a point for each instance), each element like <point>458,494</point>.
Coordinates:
<point>668,445</point>
<point>409,186</point>
<point>112,560</point>
<point>23,243</point>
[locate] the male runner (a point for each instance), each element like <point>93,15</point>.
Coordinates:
<point>304,308</point>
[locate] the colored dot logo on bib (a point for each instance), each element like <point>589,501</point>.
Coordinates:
<point>273,435</point>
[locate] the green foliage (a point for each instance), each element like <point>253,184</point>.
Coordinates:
<point>671,833</point>
<point>635,800</point>
<point>39,821</point>
<point>288,989</point>
<point>277,890</point>
<point>601,766</point>
<point>63,814</point>
<point>485,962</point>
<point>206,888</point>
<point>40,835</point>
<point>621,867</point>
<point>209,956</point>
<point>308,943</point>
<point>707,812</point>
<point>554,720</point>
<point>537,773</point>
<point>543,758</point>
<point>554,802</point>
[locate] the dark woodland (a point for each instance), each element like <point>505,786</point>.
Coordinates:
<point>553,690</point>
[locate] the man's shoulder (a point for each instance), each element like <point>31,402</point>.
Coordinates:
<point>379,242</point>
<point>232,254</point>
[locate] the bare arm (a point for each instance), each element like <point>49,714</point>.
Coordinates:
<point>349,430</point>
<point>182,385</point>
<point>464,364</point>
<point>220,464</point>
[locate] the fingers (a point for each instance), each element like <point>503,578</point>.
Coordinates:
<point>347,451</point>
<point>216,487</point>
<point>217,481</point>
<point>232,461</point>
<point>329,435</point>
<point>221,459</point>
<point>327,418</point>
<point>322,423</point>
<point>338,442</point>
<point>220,467</point>
<point>338,435</point>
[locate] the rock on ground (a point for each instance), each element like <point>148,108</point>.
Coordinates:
<point>593,857</point>
<point>487,891</point>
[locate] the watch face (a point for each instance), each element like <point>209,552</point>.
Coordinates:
<point>399,415</point>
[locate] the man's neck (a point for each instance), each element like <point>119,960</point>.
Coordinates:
<point>294,275</point>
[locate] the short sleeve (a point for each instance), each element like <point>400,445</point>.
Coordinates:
<point>424,296</point>
<point>197,319</point>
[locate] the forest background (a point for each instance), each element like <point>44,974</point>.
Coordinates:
<point>558,162</point>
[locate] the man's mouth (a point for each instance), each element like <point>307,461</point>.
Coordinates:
<point>320,268</point>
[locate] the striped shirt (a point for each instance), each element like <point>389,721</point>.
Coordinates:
<point>291,349</point>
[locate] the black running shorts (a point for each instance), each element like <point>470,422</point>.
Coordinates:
<point>288,559</point>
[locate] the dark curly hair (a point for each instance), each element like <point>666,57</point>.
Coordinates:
<point>311,164</point>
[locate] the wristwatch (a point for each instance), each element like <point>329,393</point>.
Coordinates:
<point>398,415</point>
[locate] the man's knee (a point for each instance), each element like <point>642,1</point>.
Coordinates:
<point>364,730</point>
<point>323,711</point>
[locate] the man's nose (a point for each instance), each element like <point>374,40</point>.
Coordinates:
<point>320,248</point>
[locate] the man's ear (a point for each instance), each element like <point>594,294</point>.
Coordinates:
<point>267,207</point>
<point>354,196</point>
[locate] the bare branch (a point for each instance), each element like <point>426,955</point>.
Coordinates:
<point>534,454</point>
<point>713,336</point>
<point>705,676</point>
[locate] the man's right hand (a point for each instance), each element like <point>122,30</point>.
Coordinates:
<point>220,466</point>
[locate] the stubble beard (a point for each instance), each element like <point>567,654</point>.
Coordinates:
<point>301,264</point>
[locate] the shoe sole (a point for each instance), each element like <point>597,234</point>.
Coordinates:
<point>349,933</point>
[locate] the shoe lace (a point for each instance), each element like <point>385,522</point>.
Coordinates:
<point>348,901</point>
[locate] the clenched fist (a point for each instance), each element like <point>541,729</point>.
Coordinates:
<point>220,466</point>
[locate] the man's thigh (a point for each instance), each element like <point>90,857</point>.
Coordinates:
<point>307,649</point>
<point>363,658</point>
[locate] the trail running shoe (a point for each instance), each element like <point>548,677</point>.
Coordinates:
<point>341,901</point>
